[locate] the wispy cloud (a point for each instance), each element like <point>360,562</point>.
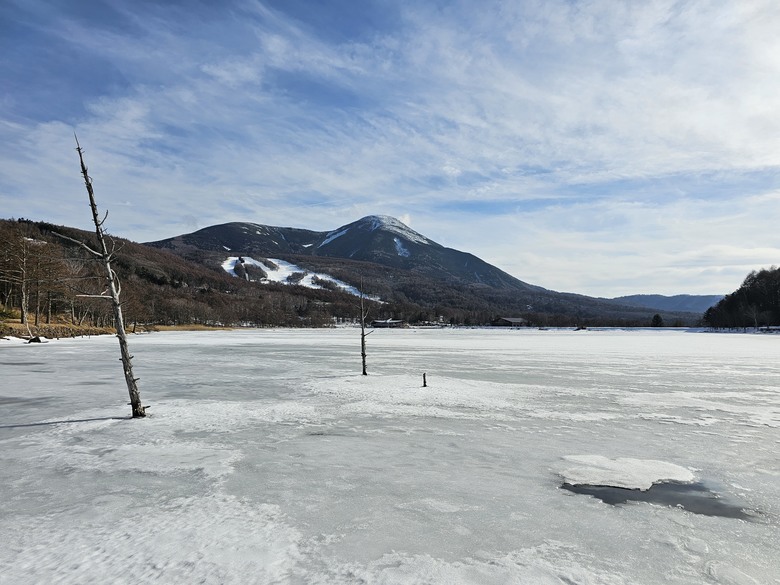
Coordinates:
<point>590,147</point>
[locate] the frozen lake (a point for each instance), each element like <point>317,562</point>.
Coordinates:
<point>269,459</point>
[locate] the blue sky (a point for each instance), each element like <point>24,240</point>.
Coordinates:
<point>597,147</point>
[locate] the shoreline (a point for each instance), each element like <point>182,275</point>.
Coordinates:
<point>65,330</point>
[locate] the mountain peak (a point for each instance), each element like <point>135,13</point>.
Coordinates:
<point>379,221</point>
<point>380,239</point>
<point>390,224</point>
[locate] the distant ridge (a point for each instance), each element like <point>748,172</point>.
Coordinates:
<point>686,303</point>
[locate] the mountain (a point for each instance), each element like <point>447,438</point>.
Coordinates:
<point>377,239</point>
<point>250,274</point>
<point>685,303</point>
<point>417,278</point>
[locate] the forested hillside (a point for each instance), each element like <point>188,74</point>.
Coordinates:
<point>43,280</point>
<point>374,239</point>
<point>756,303</point>
<point>418,278</point>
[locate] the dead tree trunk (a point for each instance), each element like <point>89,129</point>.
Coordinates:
<point>363,334</point>
<point>25,299</point>
<point>113,289</point>
<point>363,347</point>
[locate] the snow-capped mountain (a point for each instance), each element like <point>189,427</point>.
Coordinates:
<point>374,237</point>
<point>397,264</point>
<point>378,239</point>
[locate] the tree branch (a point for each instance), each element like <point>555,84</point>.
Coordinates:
<point>80,243</point>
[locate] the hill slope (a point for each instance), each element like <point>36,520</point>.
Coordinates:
<point>756,303</point>
<point>407,270</point>
<point>688,303</point>
<point>378,239</point>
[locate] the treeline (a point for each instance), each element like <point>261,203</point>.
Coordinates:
<point>756,303</point>
<point>34,274</point>
<point>417,298</point>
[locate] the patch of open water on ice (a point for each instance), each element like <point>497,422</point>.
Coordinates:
<point>693,497</point>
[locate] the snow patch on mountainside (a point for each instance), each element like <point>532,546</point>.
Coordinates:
<point>332,236</point>
<point>399,247</point>
<point>230,264</point>
<point>282,272</point>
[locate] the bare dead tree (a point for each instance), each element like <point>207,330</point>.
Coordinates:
<point>113,289</point>
<point>363,316</point>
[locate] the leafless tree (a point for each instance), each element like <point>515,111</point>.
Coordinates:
<point>16,269</point>
<point>363,316</point>
<point>753,313</point>
<point>113,289</point>
<point>31,267</point>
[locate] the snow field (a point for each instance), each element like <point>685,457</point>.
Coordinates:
<point>281,270</point>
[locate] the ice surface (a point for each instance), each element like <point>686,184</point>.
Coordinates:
<point>269,459</point>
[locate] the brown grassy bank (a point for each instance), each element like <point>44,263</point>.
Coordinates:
<point>13,328</point>
<point>50,330</point>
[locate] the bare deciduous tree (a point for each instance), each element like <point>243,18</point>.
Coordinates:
<point>16,268</point>
<point>30,266</point>
<point>112,291</point>
<point>363,316</point>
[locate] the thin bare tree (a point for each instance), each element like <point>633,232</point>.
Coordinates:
<point>30,266</point>
<point>363,316</point>
<point>113,288</point>
<point>16,267</point>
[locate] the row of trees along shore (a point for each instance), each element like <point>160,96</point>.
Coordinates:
<point>755,304</point>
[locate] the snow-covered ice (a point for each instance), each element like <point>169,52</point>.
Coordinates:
<point>269,459</point>
<point>623,472</point>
